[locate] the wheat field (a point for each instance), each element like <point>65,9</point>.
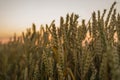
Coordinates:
<point>72,51</point>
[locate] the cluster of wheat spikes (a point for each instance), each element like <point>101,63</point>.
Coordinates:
<point>71,51</point>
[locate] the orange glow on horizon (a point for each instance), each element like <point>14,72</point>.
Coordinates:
<point>5,40</point>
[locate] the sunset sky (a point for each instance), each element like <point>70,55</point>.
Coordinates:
<point>17,15</point>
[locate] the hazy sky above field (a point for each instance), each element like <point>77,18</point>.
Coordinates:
<point>17,15</point>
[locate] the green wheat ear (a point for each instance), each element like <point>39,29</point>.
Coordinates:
<point>33,28</point>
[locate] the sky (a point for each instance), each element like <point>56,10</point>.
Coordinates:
<point>17,15</point>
